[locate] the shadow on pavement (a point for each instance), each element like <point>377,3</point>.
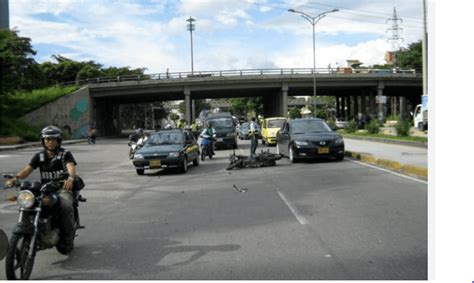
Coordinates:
<point>132,259</point>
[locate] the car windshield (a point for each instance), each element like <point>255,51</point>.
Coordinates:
<point>276,123</point>
<point>309,126</point>
<point>162,138</point>
<point>244,126</point>
<point>219,123</point>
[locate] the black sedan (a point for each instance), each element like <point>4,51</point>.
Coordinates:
<point>309,138</point>
<point>174,148</point>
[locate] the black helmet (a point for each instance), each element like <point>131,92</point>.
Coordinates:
<point>51,132</point>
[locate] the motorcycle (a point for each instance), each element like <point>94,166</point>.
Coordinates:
<point>264,159</point>
<point>38,225</point>
<point>135,144</point>
<point>206,150</point>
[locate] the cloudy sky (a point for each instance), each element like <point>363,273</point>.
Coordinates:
<point>232,34</point>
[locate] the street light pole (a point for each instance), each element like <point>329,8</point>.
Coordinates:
<point>313,21</point>
<point>191,27</point>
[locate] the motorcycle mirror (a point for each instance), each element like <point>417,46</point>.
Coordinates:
<point>3,244</point>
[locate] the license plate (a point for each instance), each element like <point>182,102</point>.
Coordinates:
<point>323,150</point>
<point>155,163</point>
<point>220,140</point>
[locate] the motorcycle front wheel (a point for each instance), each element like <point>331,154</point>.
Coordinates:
<point>17,265</point>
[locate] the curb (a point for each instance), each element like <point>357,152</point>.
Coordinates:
<point>390,141</point>
<point>36,144</point>
<point>406,169</point>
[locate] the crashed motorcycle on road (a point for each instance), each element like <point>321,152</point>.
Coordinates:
<point>265,158</point>
<point>38,225</point>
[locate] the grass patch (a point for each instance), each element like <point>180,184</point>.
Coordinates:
<point>381,136</point>
<point>20,103</point>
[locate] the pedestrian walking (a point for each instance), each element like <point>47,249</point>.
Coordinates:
<point>253,134</point>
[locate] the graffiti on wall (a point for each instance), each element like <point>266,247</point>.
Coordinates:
<point>71,113</point>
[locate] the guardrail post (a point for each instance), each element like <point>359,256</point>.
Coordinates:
<point>118,78</point>
<point>240,72</point>
<point>282,71</point>
<point>261,72</point>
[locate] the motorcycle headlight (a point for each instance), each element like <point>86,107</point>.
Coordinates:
<point>173,154</point>
<point>339,141</point>
<point>300,143</point>
<point>26,199</point>
<point>138,157</point>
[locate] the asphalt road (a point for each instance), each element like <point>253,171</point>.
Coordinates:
<point>316,220</point>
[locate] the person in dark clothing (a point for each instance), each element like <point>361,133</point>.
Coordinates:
<point>52,161</point>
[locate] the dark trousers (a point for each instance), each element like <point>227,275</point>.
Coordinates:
<point>66,215</point>
<point>253,144</point>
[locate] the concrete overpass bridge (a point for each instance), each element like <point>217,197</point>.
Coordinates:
<point>355,92</point>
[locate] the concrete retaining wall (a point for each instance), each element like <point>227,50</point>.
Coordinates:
<point>72,113</point>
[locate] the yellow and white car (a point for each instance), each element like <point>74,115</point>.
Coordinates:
<point>270,127</point>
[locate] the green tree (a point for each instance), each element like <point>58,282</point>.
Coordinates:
<point>122,71</point>
<point>88,71</point>
<point>294,113</point>
<point>244,106</point>
<point>19,71</point>
<point>411,57</point>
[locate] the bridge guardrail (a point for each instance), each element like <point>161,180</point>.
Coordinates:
<point>243,72</point>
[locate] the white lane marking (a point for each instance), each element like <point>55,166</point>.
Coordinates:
<point>388,171</point>
<point>293,209</point>
<point>3,156</point>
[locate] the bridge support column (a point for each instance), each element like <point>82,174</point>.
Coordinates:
<point>356,106</point>
<point>284,100</point>
<point>403,107</point>
<point>343,108</point>
<point>363,106</point>
<point>338,107</point>
<point>187,105</point>
<point>372,105</point>
<point>380,88</point>
<point>349,112</point>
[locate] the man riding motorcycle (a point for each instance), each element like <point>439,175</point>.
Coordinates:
<point>52,161</point>
<point>208,135</point>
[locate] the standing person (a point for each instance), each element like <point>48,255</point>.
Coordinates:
<point>253,134</point>
<point>52,161</point>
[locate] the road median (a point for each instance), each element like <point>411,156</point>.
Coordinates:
<point>406,169</point>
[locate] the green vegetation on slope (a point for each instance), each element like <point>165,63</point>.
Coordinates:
<point>22,102</point>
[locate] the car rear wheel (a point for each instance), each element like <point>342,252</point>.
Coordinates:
<point>140,171</point>
<point>340,157</point>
